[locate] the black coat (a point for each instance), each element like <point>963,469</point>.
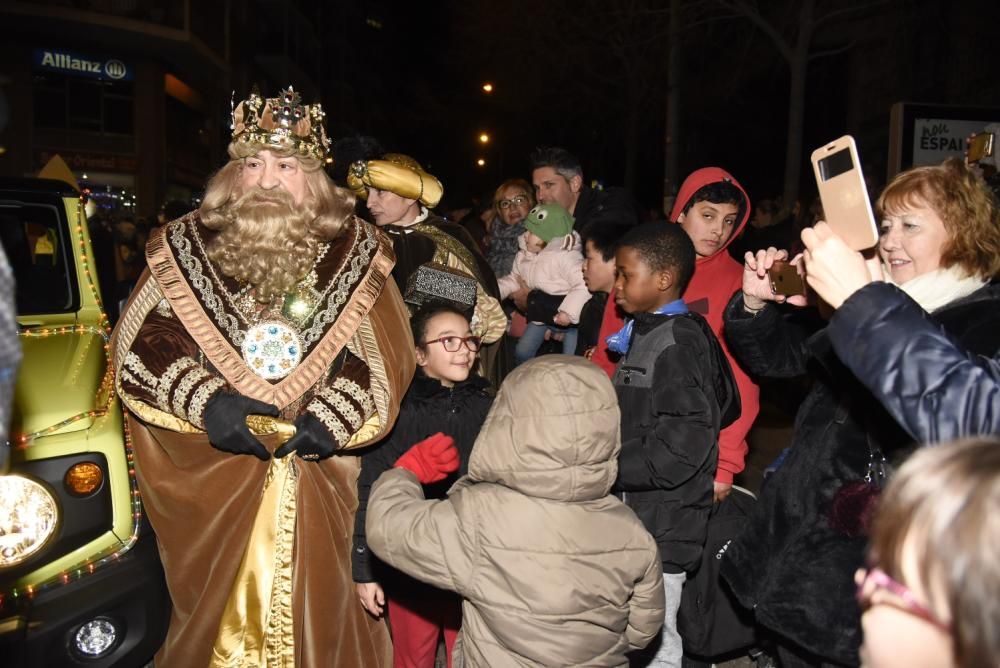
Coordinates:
<point>939,393</point>
<point>427,408</point>
<point>590,321</point>
<point>795,562</point>
<point>671,388</point>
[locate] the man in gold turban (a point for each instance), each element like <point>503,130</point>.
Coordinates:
<point>263,343</point>
<point>400,195</point>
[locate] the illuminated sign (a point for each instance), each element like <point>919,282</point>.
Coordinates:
<point>76,64</point>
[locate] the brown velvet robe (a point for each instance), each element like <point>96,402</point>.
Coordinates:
<point>202,502</point>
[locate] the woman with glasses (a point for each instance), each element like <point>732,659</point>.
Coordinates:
<point>445,396</point>
<point>930,594</point>
<point>513,200</point>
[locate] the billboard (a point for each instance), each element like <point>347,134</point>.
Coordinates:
<point>924,134</point>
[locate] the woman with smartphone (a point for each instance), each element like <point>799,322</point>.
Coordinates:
<point>794,564</point>
<point>957,394</point>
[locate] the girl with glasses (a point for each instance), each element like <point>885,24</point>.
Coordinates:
<point>930,598</point>
<point>446,396</point>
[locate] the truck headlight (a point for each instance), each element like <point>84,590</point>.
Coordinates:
<point>28,517</point>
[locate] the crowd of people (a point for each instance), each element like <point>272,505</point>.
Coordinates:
<point>531,428</point>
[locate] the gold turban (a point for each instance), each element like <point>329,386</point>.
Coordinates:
<point>398,174</point>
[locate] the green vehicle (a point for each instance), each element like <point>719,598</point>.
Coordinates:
<point>80,579</point>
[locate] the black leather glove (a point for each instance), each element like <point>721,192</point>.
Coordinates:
<point>226,423</point>
<point>311,442</point>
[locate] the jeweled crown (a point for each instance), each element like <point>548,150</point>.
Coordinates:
<point>282,123</point>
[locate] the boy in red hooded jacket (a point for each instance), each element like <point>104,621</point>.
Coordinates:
<point>713,209</point>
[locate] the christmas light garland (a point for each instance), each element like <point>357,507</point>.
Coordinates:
<point>106,395</point>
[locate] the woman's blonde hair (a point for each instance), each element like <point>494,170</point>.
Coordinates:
<point>965,206</point>
<point>520,184</point>
<point>944,507</point>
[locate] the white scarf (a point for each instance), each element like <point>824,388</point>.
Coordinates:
<point>940,287</point>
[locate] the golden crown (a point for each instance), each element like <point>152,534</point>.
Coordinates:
<point>282,123</point>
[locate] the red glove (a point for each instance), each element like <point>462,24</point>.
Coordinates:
<point>432,459</point>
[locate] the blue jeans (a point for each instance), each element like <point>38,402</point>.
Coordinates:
<point>533,336</point>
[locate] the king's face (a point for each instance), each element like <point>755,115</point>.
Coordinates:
<point>268,171</point>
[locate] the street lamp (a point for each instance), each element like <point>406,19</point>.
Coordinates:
<point>481,162</point>
<point>484,138</point>
<point>487,87</point>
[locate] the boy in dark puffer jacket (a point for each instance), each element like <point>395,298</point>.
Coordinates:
<point>675,390</point>
<point>445,396</point>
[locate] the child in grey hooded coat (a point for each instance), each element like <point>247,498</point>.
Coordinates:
<point>553,569</point>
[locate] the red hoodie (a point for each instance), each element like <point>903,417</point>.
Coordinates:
<point>715,280</point>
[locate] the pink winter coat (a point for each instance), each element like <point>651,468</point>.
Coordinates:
<point>557,270</point>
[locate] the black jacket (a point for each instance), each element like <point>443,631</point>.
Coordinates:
<point>795,562</point>
<point>671,386</point>
<point>924,377</point>
<point>590,321</point>
<point>427,408</point>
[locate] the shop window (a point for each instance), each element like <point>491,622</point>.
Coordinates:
<point>89,105</point>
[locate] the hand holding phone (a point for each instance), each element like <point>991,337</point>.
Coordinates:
<point>834,271</point>
<point>759,284</point>
<point>980,146</point>
<point>841,185</point>
<point>785,279</point>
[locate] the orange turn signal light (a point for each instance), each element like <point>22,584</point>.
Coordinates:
<point>83,479</point>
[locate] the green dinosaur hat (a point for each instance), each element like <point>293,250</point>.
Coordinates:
<point>548,221</point>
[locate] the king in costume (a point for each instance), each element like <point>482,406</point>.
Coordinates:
<point>245,316</point>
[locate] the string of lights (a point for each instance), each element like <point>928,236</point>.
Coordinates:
<point>105,400</point>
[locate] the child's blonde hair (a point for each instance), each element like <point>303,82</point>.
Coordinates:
<point>944,504</point>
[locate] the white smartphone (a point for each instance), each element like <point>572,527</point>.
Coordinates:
<point>846,207</point>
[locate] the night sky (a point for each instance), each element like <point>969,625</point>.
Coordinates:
<point>581,74</point>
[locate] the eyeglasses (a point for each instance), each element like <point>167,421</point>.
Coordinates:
<point>451,344</point>
<point>520,200</point>
<point>872,579</point>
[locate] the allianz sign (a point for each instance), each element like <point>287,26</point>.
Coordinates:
<point>76,64</point>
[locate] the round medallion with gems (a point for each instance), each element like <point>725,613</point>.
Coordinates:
<point>272,349</point>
